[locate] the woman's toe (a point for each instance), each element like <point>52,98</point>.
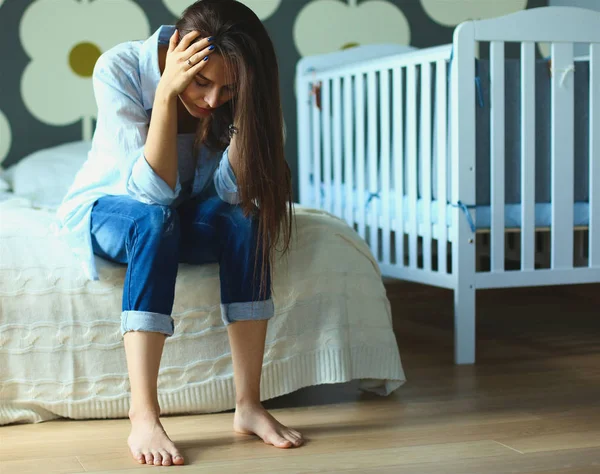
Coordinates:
<point>281,442</point>
<point>166,458</point>
<point>293,439</point>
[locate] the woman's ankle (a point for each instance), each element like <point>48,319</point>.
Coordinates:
<point>147,412</point>
<point>248,402</point>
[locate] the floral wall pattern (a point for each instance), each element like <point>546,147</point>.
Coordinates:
<point>5,137</point>
<point>49,48</point>
<point>323,26</point>
<point>63,54</point>
<point>451,13</point>
<point>263,8</point>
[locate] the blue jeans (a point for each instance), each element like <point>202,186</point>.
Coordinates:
<point>153,239</point>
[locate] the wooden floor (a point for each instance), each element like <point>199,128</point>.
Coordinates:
<point>531,404</point>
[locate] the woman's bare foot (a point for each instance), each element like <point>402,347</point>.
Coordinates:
<point>148,442</point>
<point>254,419</point>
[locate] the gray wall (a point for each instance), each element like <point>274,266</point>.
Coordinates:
<point>591,4</point>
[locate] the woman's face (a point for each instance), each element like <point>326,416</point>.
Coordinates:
<point>209,89</point>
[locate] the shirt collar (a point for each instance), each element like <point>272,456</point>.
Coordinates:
<point>149,70</point>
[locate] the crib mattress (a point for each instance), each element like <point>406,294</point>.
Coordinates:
<point>61,351</point>
<point>481,214</point>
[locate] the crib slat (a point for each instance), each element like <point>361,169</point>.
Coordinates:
<point>359,91</point>
<point>426,161</point>
<point>398,85</point>
<point>337,146</point>
<point>497,154</point>
<point>441,98</point>
<point>316,142</point>
<point>463,162</point>
<point>304,131</point>
<point>562,155</point>
<point>384,95</point>
<point>594,234</point>
<point>348,151</point>
<point>527,155</point>
<point>326,107</point>
<point>411,122</point>
<point>373,207</point>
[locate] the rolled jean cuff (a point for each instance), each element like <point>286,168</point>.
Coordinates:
<point>251,311</point>
<point>147,322</point>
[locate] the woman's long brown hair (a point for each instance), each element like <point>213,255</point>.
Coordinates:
<point>263,177</point>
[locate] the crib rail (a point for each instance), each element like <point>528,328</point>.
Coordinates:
<point>594,234</point>
<point>388,144</point>
<point>562,28</point>
<point>358,155</point>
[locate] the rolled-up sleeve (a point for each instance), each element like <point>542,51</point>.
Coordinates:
<point>121,132</point>
<point>148,187</point>
<point>225,181</point>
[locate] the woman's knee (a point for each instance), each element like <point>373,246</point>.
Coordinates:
<point>130,215</point>
<point>119,222</point>
<point>157,221</point>
<point>235,221</point>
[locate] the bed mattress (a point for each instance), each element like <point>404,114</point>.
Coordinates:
<point>61,351</point>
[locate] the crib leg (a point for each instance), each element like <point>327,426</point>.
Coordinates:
<point>464,324</point>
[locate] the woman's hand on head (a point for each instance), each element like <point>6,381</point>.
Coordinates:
<point>184,61</point>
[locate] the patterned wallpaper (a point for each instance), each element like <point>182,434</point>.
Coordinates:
<point>49,48</point>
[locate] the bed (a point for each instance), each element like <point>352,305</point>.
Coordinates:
<point>441,157</point>
<point>61,351</point>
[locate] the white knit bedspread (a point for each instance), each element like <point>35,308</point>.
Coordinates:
<point>61,351</point>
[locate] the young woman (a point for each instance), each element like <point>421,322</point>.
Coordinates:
<point>187,165</point>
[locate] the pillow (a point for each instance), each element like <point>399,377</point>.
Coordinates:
<point>4,184</point>
<point>44,177</point>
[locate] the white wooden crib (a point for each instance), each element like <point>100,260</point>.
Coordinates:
<point>385,139</point>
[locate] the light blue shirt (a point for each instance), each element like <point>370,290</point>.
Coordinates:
<point>125,80</point>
